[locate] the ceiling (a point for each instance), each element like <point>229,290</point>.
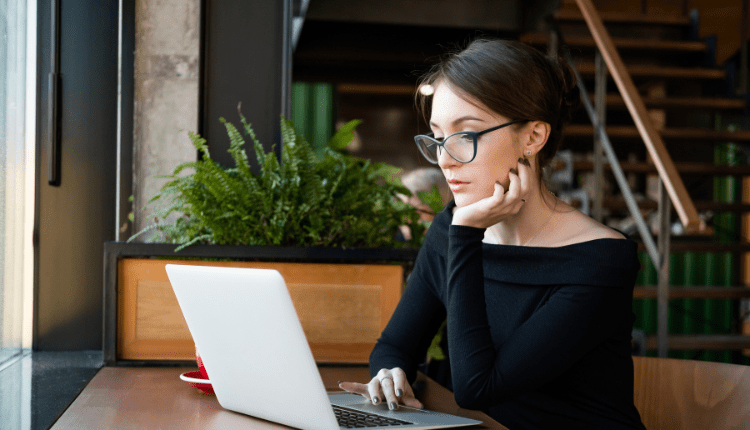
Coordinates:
<point>394,41</point>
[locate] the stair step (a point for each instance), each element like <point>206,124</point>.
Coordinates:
<point>700,205</point>
<point>704,246</point>
<point>682,167</point>
<point>620,43</point>
<point>624,131</point>
<point>625,18</point>
<point>616,101</point>
<point>653,71</point>
<point>707,341</point>
<point>693,292</point>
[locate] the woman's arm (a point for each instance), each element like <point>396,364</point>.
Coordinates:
<point>412,326</point>
<point>570,324</point>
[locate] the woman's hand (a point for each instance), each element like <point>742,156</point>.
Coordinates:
<point>495,208</point>
<point>388,385</point>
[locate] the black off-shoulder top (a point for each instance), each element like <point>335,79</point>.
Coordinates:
<point>539,337</point>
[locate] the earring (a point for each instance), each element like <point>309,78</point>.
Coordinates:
<point>528,152</point>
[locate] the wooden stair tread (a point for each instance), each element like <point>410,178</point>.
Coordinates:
<point>682,167</point>
<point>702,341</point>
<point>625,18</point>
<point>621,43</point>
<point>624,131</point>
<point>704,246</point>
<point>616,100</point>
<point>653,71</point>
<point>693,292</point>
<point>700,205</point>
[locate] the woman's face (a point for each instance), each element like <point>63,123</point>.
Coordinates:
<point>497,151</point>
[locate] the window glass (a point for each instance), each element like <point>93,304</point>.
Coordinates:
<point>12,173</point>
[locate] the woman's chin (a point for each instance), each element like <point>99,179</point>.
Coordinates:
<point>464,199</point>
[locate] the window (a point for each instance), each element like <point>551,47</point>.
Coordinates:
<point>16,144</point>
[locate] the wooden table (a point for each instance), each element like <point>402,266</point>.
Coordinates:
<point>156,398</point>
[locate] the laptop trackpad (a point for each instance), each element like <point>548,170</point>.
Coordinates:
<point>403,413</point>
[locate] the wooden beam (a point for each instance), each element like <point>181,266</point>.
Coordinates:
<point>710,342</point>
<point>680,292</point>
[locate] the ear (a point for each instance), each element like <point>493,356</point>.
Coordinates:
<point>536,134</point>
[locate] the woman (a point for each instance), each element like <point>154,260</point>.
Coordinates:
<point>537,295</point>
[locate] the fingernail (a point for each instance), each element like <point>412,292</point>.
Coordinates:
<point>526,162</point>
<point>498,182</point>
<point>520,160</point>
<point>399,392</point>
<point>392,406</point>
<point>375,400</point>
<point>514,171</point>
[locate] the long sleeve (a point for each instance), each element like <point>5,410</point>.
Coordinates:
<point>415,321</point>
<point>573,320</point>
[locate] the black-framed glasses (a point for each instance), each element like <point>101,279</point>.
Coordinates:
<point>461,146</point>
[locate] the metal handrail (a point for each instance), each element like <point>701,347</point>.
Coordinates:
<point>683,204</point>
<point>648,239</point>
<point>671,188</point>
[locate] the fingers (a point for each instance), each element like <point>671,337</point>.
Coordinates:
<point>387,386</point>
<point>356,388</point>
<point>390,386</point>
<point>389,392</point>
<point>373,389</point>
<point>399,382</point>
<point>412,402</point>
<point>499,190</point>
<point>514,189</point>
<point>524,175</point>
<point>408,398</point>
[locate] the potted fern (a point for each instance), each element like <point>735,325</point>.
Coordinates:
<point>326,220</point>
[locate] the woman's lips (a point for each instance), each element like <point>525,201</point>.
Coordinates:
<point>456,185</point>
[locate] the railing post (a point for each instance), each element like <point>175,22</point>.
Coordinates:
<point>600,100</point>
<point>662,289</point>
<point>552,47</point>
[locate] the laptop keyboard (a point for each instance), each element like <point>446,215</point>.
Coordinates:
<point>351,419</point>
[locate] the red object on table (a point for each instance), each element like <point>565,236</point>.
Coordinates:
<point>201,366</point>
<point>194,379</point>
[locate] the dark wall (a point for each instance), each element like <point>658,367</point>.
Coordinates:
<point>74,219</point>
<point>245,56</point>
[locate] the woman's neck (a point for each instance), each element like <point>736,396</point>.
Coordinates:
<point>529,224</point>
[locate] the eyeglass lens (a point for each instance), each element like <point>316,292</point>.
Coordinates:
<point>459,146</point>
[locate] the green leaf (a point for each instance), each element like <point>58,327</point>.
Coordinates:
<point>310,198</point>
<point>432,199</point>
<point>343,136</point>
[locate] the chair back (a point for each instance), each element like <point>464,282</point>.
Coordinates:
<point>673,394</point>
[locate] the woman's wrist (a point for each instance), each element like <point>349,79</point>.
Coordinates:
<point>464,218</point>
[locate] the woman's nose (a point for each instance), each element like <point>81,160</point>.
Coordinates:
<point>444,159</point>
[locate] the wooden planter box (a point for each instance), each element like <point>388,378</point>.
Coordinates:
<point>343,303</point>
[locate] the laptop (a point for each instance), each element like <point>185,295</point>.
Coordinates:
<point>245,327</point>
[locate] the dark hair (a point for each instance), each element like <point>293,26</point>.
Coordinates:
<point>514,80</point>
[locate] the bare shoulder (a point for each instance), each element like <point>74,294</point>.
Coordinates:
<point>579,227</point>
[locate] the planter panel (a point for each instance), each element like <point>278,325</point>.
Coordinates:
<point>342,307</point>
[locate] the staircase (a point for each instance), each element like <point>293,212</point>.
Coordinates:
<point>689,101</point>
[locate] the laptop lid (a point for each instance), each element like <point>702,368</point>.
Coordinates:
<point>249,336</point>
<point>245,327</point>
